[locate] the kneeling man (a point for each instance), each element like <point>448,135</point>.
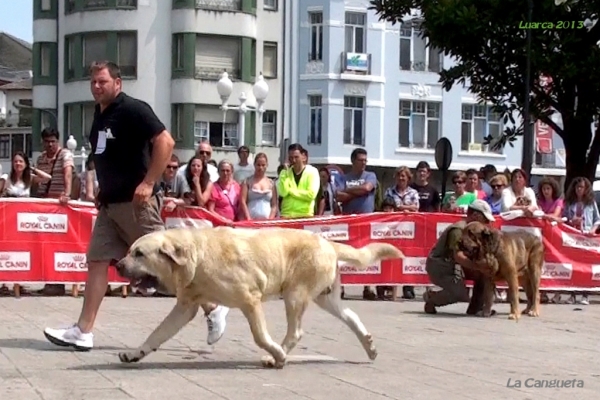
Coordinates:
<point>446,262</point>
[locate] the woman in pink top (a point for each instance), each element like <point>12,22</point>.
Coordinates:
<point>550,201</point>
<point>549,198</point>
<point>225,196</point>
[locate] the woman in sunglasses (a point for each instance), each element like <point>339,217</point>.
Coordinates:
<point>497,183</point>
<point>460,199</point>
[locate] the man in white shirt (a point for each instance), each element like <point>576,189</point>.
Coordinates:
<point>204,152</point>
<point>243,170</point>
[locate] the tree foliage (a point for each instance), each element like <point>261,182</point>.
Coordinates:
<point>489,46</point>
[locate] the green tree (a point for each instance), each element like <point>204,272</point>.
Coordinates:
<point>488,41</point>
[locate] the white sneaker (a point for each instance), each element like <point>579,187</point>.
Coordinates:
<point>584,300</point>
<point>70,337</point>
<point>216,322</point>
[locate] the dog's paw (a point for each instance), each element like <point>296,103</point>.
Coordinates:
<point>270,362</point>
<point>533,313</point>
<point>131,357</point>
<point>484,314</point>
<point>369,346</point>
<point>514,316</point>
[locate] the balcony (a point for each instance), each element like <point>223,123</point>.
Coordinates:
<point>214,74</point>
<point>16,120</point>
<point>219,5</point>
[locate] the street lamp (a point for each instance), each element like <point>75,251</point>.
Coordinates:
<point>528,134</point>
<point>72,146</point>
<point>260,90</point>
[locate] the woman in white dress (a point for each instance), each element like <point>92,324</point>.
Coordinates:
<point>22,176</point>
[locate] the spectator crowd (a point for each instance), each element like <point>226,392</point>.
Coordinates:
<point>242,190</point>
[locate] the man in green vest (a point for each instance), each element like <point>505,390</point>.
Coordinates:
<point>445,265</point>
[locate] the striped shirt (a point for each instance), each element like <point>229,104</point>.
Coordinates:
<point>57,183</point>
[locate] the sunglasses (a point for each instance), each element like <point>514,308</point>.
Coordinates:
<point>497,186</point>
<point>172,167</point>
<point>204,153</point>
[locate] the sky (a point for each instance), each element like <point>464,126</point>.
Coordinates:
<point>16,18</point>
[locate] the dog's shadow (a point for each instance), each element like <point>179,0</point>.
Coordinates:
<point>199,365</point>
<point>439,314</point>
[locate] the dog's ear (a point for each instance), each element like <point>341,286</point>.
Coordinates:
<point>174,252</point>
<point>491,240</point>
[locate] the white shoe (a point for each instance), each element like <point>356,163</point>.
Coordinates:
<point>216,322</point>
<point>584,300</point>
<point>70,337</point>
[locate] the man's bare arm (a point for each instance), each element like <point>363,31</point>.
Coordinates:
<point>162,149</point>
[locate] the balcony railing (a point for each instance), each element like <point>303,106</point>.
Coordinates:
<point>23,119</point>
<point>356,63</point>
<point>215,73</point>
<point>219,5</point>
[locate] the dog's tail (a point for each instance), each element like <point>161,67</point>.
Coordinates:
<point>367,255</point>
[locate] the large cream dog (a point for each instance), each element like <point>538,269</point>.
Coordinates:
<point>241,268</point>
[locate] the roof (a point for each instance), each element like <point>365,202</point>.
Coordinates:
<point>15,54</point>
<point>25,84</point>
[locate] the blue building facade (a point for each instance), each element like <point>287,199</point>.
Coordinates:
<point>360,82</point>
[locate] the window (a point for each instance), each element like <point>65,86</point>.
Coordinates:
<point>177,128</point>
<point>478,121</point>
<point>94,49</point>
<point>419,124</point>
<point>316,36</point>
<point>88,119</point>
<point>316,119</point>
<point>219,134</point>
<point>178,39</point>
<point>69,6</point>
<point>79,119</point>
<point>415,55</point>
<point>11,143</point>
<point>45,59</point>
<point>354,120</point>
<point>269,127</point>
<point>355,32</point>
<point>5,146</point>
<point>215,54</point>
<point>270,5</point>
<point>46,5</point>
<point>127,42</point>
<point>269,60</point>
<point>69,50</point>
<point>25,113</point>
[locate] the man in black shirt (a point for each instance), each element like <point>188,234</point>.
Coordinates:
<point>131,149</point>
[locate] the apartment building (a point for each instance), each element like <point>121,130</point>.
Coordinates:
<point>15,98</point>
<point>358,81</point>
<point>172,54</point>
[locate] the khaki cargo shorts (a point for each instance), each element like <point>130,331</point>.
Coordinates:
<point>119,225</point>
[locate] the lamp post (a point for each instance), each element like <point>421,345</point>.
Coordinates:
<point>72,146</point>
<point>260,90</point>
<point>528,137</point>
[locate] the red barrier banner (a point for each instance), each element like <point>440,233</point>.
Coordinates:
<point>42,241</point>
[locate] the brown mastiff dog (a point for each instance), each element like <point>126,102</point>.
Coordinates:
<point>515,257</point>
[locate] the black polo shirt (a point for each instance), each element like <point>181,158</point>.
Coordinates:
<point>121,147</point>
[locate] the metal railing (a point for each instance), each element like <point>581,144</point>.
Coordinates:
<point>219,5</point>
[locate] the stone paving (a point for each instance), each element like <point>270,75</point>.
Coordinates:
<point>443,357</point>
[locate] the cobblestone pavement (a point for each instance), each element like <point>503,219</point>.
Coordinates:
<point>443,357</point>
